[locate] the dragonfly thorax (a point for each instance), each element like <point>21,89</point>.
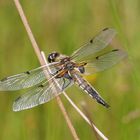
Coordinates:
<point>67,64</point>
<point>70,66</point>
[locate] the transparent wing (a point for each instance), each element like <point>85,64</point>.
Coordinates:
<point>26,79</point>
<point>95,45</point>
<point>41,94</point>
<point>104,61</point>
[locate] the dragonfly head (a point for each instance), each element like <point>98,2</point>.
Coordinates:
<point>52,57</point>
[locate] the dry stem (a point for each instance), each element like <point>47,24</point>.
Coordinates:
<point>86,110</point>
<point>85,117</point>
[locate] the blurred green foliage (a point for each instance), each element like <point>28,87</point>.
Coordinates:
<point>64,26</point>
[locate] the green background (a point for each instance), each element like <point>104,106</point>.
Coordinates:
<point>61,25</point>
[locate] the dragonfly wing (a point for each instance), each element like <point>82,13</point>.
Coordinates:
<point>41,94</point>
<point>104,61</point>
<point>95,45</point>
<point>26,79</point>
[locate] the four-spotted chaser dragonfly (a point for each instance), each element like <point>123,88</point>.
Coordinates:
<point>66,70</point>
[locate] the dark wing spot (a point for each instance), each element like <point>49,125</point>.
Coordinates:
<point>3,79</point>
<point>97,57</point>
<point>91,41</point>
<point>105,29</point>
<point>41,86</point>
<point>85,63</point>
<point>18,98</point>
<point>27,72</point>
<point>115,50</point>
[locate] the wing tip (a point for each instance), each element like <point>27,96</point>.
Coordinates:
<point>122,53</point>
<point>105,29</point>
<point>15,108</point>
<point>18,108</point>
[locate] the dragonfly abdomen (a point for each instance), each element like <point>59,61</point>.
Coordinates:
<point>83,84</point>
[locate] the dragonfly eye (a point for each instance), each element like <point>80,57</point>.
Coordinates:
<point>52,57</point>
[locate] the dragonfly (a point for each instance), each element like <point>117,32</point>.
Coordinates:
<point>65,71</point>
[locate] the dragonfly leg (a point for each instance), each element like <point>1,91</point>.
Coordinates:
<point>81,69</point>
<point>65,84</point>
